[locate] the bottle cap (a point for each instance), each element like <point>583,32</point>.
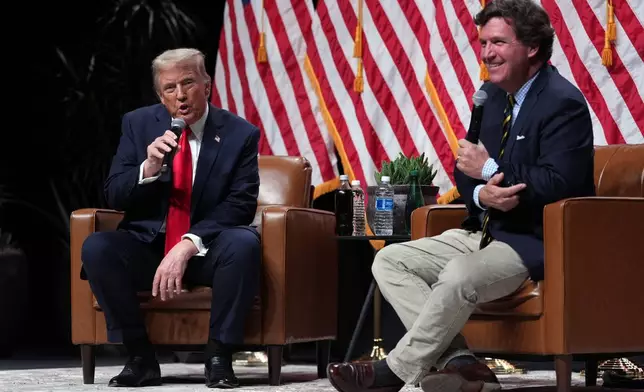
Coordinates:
<point>355,182</point>
<point>384,179</point>
<point>344,177</point>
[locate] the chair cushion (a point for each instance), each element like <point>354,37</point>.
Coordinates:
<point>526,301</point>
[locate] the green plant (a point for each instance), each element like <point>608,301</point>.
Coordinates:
<point>398,170</point>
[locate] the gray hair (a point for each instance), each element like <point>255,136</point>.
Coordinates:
<point>174,57</point>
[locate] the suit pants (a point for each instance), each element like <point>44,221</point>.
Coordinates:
<point>434,285</point>
<point>118,265</point>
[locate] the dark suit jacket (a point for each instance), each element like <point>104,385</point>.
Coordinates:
<point>553,157</point>
<point>226,184</point>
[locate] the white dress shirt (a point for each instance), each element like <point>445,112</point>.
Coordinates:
<point>194,140</point>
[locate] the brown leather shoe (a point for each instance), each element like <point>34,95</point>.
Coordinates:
<point>476,377</point>
<point>356,377</point>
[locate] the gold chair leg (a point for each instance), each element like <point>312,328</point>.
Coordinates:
<point>377,351</point>
<point>501,366</point>
<point>621,365</point>
<point>250,358</point>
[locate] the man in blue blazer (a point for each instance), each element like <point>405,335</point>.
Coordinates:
<point>536,148</point>
<point>189,224</point>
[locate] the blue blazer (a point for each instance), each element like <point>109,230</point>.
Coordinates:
<point>550,149</point>
<point>226,184</point>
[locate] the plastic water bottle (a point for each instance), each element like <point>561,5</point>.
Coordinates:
<point>358,208</point>
<point>344,207</point>
<point>384,213</point>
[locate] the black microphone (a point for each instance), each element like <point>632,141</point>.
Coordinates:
<point>473,132</point>
<point>177,126</point>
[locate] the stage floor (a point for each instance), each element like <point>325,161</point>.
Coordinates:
<point>65,375</point>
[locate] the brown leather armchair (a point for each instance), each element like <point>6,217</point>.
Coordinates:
<point>298,295</point>
<point>591,302</point>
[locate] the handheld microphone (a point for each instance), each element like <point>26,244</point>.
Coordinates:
<point>473,132</point>
<point>177,126</point>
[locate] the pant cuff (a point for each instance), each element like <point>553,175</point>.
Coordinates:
<point>405,373</point>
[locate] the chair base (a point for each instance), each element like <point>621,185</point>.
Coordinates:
<point>275,355</point>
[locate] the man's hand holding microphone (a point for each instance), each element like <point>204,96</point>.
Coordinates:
<point>156,151</point>
<point>471,158</point>
<point>162,149</point>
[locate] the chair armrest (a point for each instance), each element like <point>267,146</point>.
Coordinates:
<point>594,263</point>
<point>300,274</point>
<point>434,219</point>
<point>82,223</point>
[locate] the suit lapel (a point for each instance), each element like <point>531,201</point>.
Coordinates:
<point>163,124</point>
<point>526,109</point>
<point>491,124</point>
<point>211,144</point>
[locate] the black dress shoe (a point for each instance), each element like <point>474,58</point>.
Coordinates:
<point>220,374</point>
<point>138,372</point>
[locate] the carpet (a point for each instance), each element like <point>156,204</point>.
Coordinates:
<point>59,376</point>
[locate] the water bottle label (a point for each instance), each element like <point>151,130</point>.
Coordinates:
<point>384,204</point>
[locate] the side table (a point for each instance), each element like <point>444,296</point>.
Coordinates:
<point>377,352</point>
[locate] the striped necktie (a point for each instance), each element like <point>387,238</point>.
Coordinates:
<point>486,238</point>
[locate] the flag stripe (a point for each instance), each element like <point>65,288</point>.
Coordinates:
<point>444,67</point>
<point>632,25</point>
<point>380,96</point>
<point>228,62</point>
<point>632,60</point>
<point>453,53</point>
<point>246,76</point>
<point>622,81</point>
<point>311,138</point>
<point>250,80</point>
<point>584,78</point>
<point>391,25</point>
<point>220,86</point>
<point>468,53</point>
<point>319,54</point>
<point>335,33</point>
<point>468,27</point>
<point>419,27</point>
<point>277,103</point>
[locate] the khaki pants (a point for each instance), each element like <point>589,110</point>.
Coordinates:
<point>434,285</point>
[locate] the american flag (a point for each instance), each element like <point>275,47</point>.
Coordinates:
<point>260,75</point>
<point>375,78</point>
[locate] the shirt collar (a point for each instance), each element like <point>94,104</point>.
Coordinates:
<point>521,93</point>
<point>198,126</point>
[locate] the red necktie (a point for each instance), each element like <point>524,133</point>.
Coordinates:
<point>178,220</point>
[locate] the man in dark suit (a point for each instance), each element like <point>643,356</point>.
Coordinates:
<point>185,225</point>
<point>536,148</point>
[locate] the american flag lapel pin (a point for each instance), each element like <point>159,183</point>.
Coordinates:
<point>217,139</point>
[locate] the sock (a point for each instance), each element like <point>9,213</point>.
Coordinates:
<point>219,349</point>
<point>462,360</point>
<point>140,347</point>
<point>384,376</point>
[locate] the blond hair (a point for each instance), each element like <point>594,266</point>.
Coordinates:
<point>176,57</point>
